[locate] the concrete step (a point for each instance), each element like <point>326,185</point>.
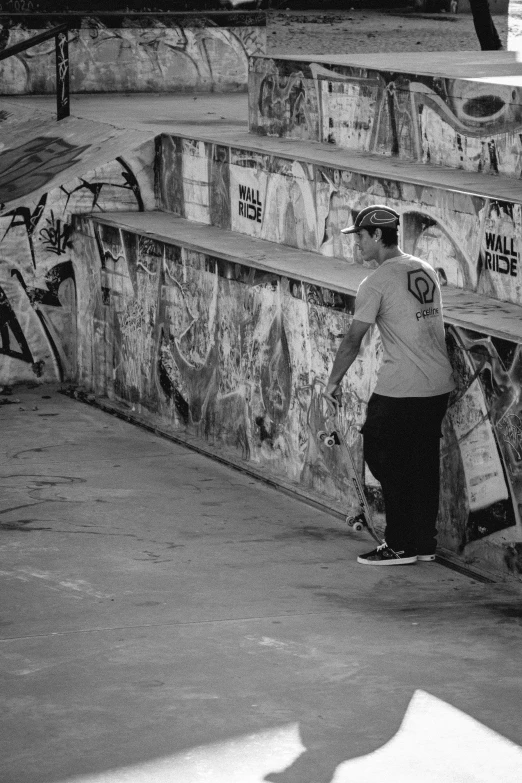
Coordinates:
<point>459,109</point>
<point>323,154</point>
<point>302,193</point>
<point>335,276</point>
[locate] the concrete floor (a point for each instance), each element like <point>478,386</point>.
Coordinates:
<point>364,30</point>
<point>153,113</point>
<point>166,618</point>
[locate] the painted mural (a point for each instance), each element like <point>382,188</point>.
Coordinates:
<point>482,452</point>
<point>155,58</point>
<point>238,357</point>
<point>465,124</point>
<point>39,286</point>
<point>228,353</point>
<point>472,241</point>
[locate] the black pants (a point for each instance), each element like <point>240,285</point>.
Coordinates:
<point>484,25</point>
<point>402,450</point>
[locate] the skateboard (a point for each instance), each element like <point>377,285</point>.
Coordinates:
<point>332,439</point>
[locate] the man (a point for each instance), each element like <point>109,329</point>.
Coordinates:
<point>403,424</point>
<point>484,25</point>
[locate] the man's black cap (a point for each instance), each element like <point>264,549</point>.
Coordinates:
<point>377,216</point>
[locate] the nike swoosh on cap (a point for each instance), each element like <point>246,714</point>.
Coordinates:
<point>377,221</point>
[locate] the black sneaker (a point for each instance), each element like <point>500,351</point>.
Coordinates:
<point>384,556</point>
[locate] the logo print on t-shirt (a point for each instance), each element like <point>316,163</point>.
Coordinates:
<point>421,285</point>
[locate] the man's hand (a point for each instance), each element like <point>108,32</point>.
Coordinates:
<point>333,395</point>
<point>344,358</point>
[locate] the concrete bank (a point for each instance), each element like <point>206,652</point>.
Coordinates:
<point>156,603</point>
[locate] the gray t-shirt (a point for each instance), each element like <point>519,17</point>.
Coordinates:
<point>403,298</point>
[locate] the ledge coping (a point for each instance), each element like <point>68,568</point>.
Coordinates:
<point>486,66</point>
<point>461,308</point>
<point>372,164</point>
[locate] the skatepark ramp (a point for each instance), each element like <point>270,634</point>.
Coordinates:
<point>212,310</point>
<point>49,171</point>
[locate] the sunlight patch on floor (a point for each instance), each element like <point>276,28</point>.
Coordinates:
<point>246,759</point>
<point>436,743</point>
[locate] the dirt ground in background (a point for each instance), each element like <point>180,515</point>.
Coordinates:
<point>351,31</point>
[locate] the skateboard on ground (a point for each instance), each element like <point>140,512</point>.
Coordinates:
<point>332,438</point>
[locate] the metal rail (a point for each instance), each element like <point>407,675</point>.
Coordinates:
<point>60,34</point>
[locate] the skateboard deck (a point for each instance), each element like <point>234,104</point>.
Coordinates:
<point>331,438</point>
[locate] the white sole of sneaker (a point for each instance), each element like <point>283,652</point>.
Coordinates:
<point>398,562</point>
<point>426,558</point>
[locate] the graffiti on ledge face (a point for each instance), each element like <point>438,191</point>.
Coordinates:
<point>472,242</point>
<point>250,205</point>
<point>500,255</point>
<point>459,123</point>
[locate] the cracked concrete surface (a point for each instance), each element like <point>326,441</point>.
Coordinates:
<point>155,603</point>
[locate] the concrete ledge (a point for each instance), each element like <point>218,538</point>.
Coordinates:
<point>461,308</point>
<point>332,273</point>
<point>306,193</point>
<point>382,166</point>
<point>462,110</point>
<point>468,66</point>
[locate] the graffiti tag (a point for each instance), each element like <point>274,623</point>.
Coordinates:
<point>33,165</point>
<point>500,255</point>
<point>56,236</point>
<point>250,205</point>
<point>511,429</point>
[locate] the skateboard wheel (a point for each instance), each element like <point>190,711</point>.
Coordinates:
<point>329,441</point>
<point>322,435</point>
<point>355,523</point>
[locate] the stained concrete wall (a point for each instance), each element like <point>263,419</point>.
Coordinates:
<point>158,57</point>
<point>235,357</point>
<point>463,123</point>
<point>472,241</point>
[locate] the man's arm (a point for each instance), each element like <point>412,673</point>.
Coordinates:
<point>345,357</point>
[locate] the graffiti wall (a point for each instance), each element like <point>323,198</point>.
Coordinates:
<point>482,449</point>
<point>237,357</point>
<point>472,241</point>
<point>228,353</point>
<point>462,123</point>
<point>154,58</point>
<point>39,285</point>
